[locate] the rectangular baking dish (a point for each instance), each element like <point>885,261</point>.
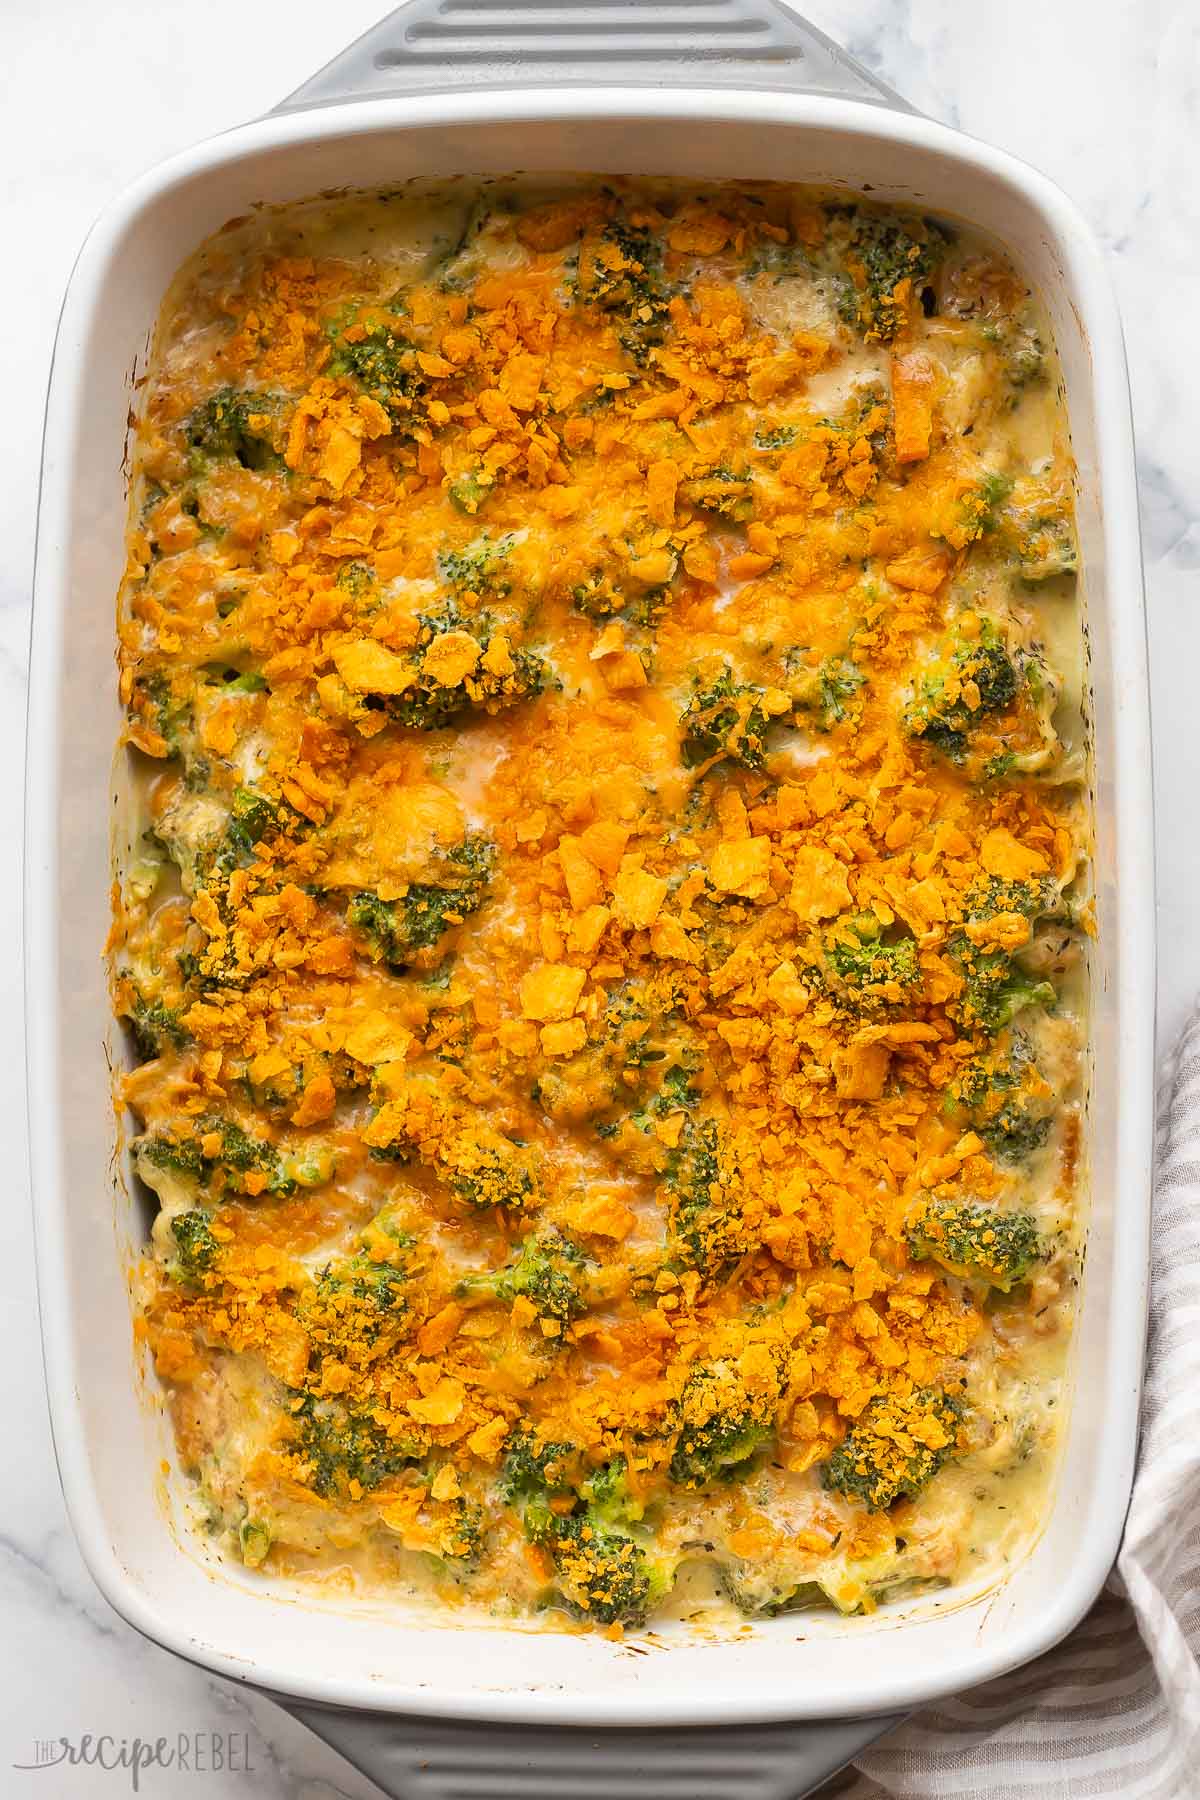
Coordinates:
<point>110,1435</point>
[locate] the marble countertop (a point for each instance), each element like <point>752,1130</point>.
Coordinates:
<point>1103,95</point>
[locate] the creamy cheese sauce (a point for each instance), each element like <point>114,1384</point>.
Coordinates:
<point>601,921</point>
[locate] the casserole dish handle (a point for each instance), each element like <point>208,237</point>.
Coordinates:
<point>445,1759</point>
<point>436,46</point>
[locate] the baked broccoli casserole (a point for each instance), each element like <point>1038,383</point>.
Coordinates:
<point>600,923</point>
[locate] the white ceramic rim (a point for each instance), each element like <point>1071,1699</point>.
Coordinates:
<point>1088,284</point>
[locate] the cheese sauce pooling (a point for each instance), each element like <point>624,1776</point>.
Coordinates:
<point>602,932</point>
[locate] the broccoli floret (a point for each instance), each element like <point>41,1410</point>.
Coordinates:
<point>707,1225</point>
<point>996,988</point>
<point>599,597</point>
<point>873,968</point>
<point>827,691</point>
<point>196,1248</point>
<point>720,1424</point>
<point>723,493</point>
<point>776,437</point>
<point>479,567</point>
<point>601,1570</point>
<point>1045,546</point>
<point>762,1594</point>
<point>157,702</point>
<point>254,1541</point>
<point>337,1446</point>
<point>975,680</point>
<point>840,681</point>
<point>1006,1101</point>
<point>238,424</point>
<point>470,489</point>
<point>548,1271</point>
<point>356,579</point>
<point>156,1026</point>
<point>497,680</point>
<point>976,1242</point>
<point>496,1176</point>
<point>374,1281</point>
<point>404,931</point>
<point>879,253</point>
<point>383,362</point>
<point>534,1468</point>
<point>621,272</point>
<point>600,1574</point>
<point>995,985</point>
<point>1022,353</point>
<point>611,1502</point>
<point>461,1538</point>
<point>219,1152</point>
<point>254,819</point>
<point>724,718</point>
<point>897,1445</point>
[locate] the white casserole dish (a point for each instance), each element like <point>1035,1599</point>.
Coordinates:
<point>109,1441</point>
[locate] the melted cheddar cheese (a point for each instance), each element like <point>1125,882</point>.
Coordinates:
<point>601,925</point>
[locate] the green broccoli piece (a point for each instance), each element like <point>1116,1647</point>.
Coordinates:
<point>156,1027</point>
<point>404,931</point>
<point>974,681</point>
<point>996,988</point>
<point>237,1156</point>
<point>548,1271</point>
<point>827,691</point>
<point>894,1448</point>
<point>496,1177</point>
<point>238,425</point>
<point>600,1574</point>
<point>1045,546</point>
<point>706,1223</point>
<point>337,1446</point>
<point>254,1541</point>
<point>479,567</point>
<point>371,1283</point>
<point>599,597</point>
<point>431,705</point>
<point>995,985</point>
<point>1006,1101</point>
<point>776,437</point>
<point>1022,353</point>
<point>975,1242</point>
<point>762,1594</point>
<point>196,1249</point>
<point>158,701</point>
<point>622,274</point>
<point>534,1468</point>
<point>724,718</point>
<point>723,493</point>
<point>356,579</point>
<point>610,1500</point>
<point>463,1539</point>
<point>878,252</point>
<point>873,968</point>
<point>471,489</point>
<point>254,819</point>
<point>383,362</point>
<point>720,1425</point>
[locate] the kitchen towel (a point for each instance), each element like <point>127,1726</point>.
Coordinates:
<point>1115,1708</point>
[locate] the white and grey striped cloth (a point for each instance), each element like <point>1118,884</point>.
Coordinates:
<point>1115,1709</point>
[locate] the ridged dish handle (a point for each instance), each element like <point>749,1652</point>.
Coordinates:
<point>436,1759</point>
<point>436,46</point>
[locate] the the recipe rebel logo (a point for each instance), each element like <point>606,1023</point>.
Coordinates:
<point>187,1753</point>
